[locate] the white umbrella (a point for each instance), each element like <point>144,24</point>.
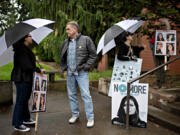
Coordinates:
<point>21,29</point>
<point>37,35</point>
<point>107,42</point>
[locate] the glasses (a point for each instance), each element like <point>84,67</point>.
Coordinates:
<point>29,36</point>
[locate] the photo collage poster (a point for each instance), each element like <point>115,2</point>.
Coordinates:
<point>39,91</point>
<point>165,42</point>
<point>124,71</point>
<point>138,104</point>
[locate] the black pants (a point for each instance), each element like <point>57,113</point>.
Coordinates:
<point>160,74</point>
<point>21,109</point>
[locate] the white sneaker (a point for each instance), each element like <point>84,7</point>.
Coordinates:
<point>90,123</point>
<point>22,128</point>
<point>29,122</point>
<point>73,119</point>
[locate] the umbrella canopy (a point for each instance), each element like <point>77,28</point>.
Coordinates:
<point>21,29</point>
<point>107,42</point>
<point>37,34</point>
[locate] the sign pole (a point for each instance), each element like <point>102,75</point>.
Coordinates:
<point>165,60</point>
<point>36,125</point>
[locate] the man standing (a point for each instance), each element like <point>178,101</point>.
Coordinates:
<point>78,54</point>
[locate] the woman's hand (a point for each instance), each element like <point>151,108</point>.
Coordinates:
<point>134,58</point>
<point>43,71</point>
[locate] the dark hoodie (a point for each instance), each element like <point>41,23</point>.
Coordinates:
<point>24,64</point>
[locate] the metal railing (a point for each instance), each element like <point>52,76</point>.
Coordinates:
<point>138,78</point>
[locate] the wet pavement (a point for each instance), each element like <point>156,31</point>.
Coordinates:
<point>55,120</point>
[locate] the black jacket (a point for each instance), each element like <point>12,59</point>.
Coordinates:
<point>124,49</point>
<point>85,53</point>
<point>24,64</point>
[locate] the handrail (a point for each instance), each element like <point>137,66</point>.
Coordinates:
<point>138,78</point>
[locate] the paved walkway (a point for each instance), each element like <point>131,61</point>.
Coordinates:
<point>55,120</point>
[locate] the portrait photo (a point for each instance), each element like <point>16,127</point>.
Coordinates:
<point>44,85</point>
<point>134,118</point>
<point>171,50</point>
<point>37,83</point>
<point>35,101</point>
<point>160,37</point>
<point>42,102</point>
<point>170,37</point>
<point>160,48</point>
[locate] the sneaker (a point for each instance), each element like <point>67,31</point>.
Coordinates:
<point>22,128</point>
<point>118,123</point>
<point>73,119</point>
<point>90,123</point>
<point>29,122</point>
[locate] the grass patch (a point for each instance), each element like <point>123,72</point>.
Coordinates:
<point>94,75</point>
<point>5,71</point>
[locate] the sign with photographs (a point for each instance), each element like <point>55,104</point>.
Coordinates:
<point>39,90</point>
<point>138,104</point>
<point>124,71</point>
<point>165,42</point>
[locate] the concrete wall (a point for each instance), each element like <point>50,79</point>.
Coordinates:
<point>6,93</point>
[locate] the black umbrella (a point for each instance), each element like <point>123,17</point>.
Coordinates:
<point>107,42</point>
<point>21,29</point>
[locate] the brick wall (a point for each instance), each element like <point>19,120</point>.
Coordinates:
<point>146,55</point>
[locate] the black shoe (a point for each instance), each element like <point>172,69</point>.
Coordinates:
<point>29,122</point>
<point>22,128</point>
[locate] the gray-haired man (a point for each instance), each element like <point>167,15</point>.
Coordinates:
<point>78,54</point>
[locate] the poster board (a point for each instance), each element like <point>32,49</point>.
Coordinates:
<point>39,90</point>
<point>138,104</point>
<point>166,42</point>
<point>124,71</point>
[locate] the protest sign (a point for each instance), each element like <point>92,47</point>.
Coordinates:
<point>124,71</point>
<point>138,104</point>
<point>39,90</point>
<point>165,42</point>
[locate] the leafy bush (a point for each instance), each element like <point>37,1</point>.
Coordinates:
<point>49,49</point>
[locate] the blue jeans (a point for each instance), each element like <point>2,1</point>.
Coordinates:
<point>82,81</point>
<point>21,110</point>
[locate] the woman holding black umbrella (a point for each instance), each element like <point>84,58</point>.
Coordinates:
<point>126,51</point>
<point>22,75</point>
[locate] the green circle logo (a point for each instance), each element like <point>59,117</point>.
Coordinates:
<point>122,88</point>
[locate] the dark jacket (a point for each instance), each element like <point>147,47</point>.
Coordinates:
<point>124,49</point>
<point>85,53</point>
<point>24,64</point>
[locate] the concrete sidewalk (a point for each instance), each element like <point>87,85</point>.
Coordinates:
<point>55,120</point>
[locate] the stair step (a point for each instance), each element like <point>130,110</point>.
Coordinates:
<point>173,108</point>
<point>163,118</point>
<point>173,91</point>
<point>156,96</point>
